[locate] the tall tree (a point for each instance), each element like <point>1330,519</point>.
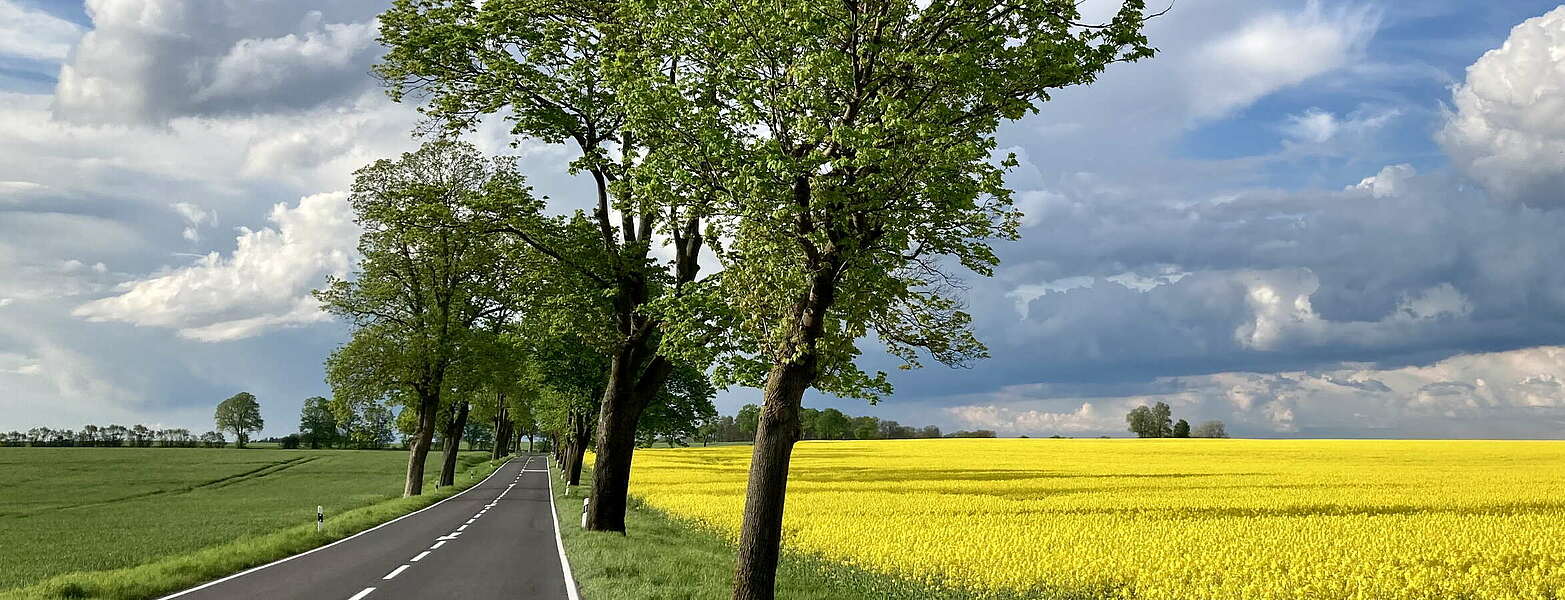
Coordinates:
<point>1162,420</point>
<point>240,414</point>
<point>317,424</point>
<point>427,280</point>
<point>1141,422</point>
<point>455,427</point>
<point>547,62</point>
<point>848,147</point>
<point>1182,429</point>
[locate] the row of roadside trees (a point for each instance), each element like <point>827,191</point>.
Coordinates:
<point>834,161</point>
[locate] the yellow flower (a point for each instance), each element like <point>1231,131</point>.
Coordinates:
<point>1160,519</point>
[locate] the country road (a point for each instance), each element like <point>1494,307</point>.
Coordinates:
<point>494,540</point>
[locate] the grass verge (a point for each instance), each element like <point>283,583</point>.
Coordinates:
<point>175,573</point>
<point>666,558</point>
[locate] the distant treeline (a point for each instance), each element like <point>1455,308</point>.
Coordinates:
<point>828,424</point>
<point>113,436</point>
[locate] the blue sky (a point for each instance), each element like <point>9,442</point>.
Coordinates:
<point>1329,218</point>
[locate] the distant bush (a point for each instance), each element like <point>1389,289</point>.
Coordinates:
<point>976,433</point>
<point>1209,429</point>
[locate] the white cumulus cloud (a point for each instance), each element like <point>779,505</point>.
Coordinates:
<point>1507,129</point>
<point>264,284</point>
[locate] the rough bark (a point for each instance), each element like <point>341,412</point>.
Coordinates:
<point>777,429</point>
<point>453,446</point>
<point>418,449</point>
<point>581,430</point>
<point>625,398</point>
<point>502,427</point>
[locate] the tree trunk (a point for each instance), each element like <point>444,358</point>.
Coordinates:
<point>502,430</point>
<point>624,399</point>
<point>418,447</point>
<point>576,453</point>
<point>760,538</point>
<point>453,446</point>
<point>777,429</point>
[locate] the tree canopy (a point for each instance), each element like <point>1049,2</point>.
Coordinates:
<point>428,280</point>
<point>240,414</point>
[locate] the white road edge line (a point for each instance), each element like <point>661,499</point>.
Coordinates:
<point>395,572</point>
<point>320,548</point>
<point>565,563</point>
<point>362,594</point>
<point>420,556</point>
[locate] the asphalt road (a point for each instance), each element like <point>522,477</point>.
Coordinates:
<point>495,540</point>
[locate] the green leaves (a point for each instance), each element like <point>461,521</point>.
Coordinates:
<point>240,414</point>
<point>845,152</point>
<point>433,282</point>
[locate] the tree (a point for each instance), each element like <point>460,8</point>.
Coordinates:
<point>866,428</point>
<point>141,436</point>
<point>748,419</point>
<point>240,414</point>
<point>114,436</point>
<point>479,435</point>
<point>1150,422</point>
<point>849,146</point>
<point>809,420</point>
<point>456,424</point>
<point>549,63</point>
<point>317,424</point>
<point>833,425</point>
<point>1182,429</point>
<point>679,412</point>
<point>977,433</point>
<point>1209,429</point>
<point>1162,420</point>
<point>427,279</point>
<point>213,439</point>
<point>929,431</point>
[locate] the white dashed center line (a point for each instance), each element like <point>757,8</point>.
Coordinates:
<point>421,556</point>
<point>362,594</point>
<point>395,572</point>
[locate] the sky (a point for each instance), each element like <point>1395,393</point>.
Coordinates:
<point>1305,219</point>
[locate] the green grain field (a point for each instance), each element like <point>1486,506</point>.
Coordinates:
<point>92,509</point>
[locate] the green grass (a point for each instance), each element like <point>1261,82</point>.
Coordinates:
<point>665,558</point>
<point>139,522</point>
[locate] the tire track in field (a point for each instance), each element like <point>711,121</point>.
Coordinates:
<point>257,473</point>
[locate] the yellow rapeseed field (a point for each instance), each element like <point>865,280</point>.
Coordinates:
<point>1160,519</point>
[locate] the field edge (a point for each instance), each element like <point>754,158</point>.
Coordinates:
<point>175,573</point>
<point>665,557</point>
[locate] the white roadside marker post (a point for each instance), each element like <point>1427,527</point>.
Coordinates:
<point>320,518</point>
<point>584,502</point>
